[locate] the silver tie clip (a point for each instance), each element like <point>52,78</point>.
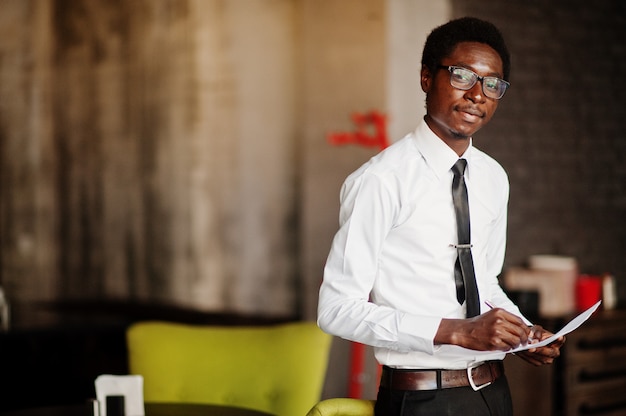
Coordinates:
<point>458,246</point>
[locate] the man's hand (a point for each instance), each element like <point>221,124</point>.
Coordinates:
<point>542,355</point>
<point>495,330</point>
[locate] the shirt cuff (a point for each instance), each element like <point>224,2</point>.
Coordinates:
<point>418,332</point>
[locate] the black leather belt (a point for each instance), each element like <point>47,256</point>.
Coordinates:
<point>476,377</point>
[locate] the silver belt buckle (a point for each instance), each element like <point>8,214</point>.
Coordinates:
<point>471,380</point>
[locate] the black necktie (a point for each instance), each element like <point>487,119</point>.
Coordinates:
<point>464,267</point>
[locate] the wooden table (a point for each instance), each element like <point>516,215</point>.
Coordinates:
<point>152,409</point>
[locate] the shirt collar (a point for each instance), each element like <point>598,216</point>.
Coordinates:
<point>438,155</point>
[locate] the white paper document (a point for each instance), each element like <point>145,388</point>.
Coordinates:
<point>572,325</point>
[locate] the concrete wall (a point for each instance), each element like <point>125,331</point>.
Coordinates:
<point>147,152</point>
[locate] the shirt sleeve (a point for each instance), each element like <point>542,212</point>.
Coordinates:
<point>369,206</point>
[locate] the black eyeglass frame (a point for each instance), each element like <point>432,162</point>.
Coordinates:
<point>477,78</point>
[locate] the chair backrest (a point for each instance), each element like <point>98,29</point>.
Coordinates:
<point>279,369</point>
<point>341,406</point>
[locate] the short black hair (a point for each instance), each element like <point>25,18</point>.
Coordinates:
<point>444,38</point>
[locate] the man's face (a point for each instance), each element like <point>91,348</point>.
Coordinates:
<point>454,114</point>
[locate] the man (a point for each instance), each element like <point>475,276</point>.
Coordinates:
<point>398,276</point>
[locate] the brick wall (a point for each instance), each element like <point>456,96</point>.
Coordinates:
<point>559,131</point>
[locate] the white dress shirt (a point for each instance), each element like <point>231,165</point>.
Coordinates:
<point>389,277</point>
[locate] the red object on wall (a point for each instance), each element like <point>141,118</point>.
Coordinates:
<point>370,131</point>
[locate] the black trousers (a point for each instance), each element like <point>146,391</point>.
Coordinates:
<point>493,400</point>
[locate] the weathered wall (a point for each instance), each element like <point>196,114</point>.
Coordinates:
<point>147,151</point>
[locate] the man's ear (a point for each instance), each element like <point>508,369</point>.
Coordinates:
<point>426,79</point>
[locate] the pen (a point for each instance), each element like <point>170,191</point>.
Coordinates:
<point>492,306</point>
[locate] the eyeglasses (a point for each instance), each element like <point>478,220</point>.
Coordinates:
<point>464,79</point>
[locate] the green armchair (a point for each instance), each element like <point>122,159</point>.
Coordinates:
<point>343,407</point>
<point>279,369</point>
